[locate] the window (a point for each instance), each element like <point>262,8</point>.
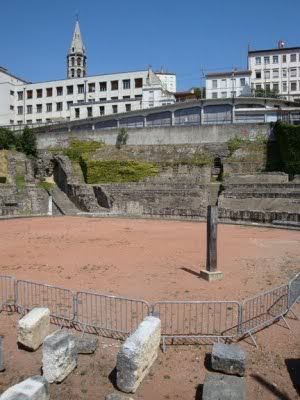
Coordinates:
<point>243,81</point>
<point>80,101</point>
<point>92,87</point>
<point>224,95</point>
<point>114,85</point>
<point>128,107</point>
<point>293,86</point>
<point>59,91</point>
<point>78,61</point>
<point>29,121</point>
<point>267,75</point>
<point>102,110</point>
<point>11,121</point>
<point>276,87</point>
<point>12,93</point>
<point>293,57</point>
<point>233,93</point>
<point>258,74</point>
<point>275,59</point>
<point>77,112</point>
<point>284,86</point>
<point>138,83</point>
<point>102,99</point>
<point>39,120</point>
<point>70,89</point>
<point>72,72</point>
<point>214,95</point>
<point>126,97</point>
<point>72,60</point>
<point>89,111</point>
<point>114,98</point>
<point>39,108</point>
<point>20,110</point>
<point>223,83</point>
<point>11,108</point>
<point>276,73</point>
<point>138,96</point>
<point>267,60</point>
<point>29,109</point>
<point>20,95</point>
<point>80,88</point>
<point>103,86</point>
<point>29,94</point>
<point>78,73</point>
<point>49,92</point>
<point>20,122</point>
<point>39,93</point>
<point>69,103</point>
<point>49,107</point>
<point>268,86</point>
<point>284,58</point>
<point>59,106</point>
<point>293,72</point>
<point>126,84</point>
<point>115,109</point>
<point>284,73</point>
<point>91,100</point>
<point>257,60</point>
<point>258,87</point>
<point>214,83</point>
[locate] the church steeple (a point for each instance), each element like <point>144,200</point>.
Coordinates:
<point>76,58</point>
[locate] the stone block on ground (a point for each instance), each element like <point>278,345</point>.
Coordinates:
<point>59,356</point>
<point>86,344</point>
<point>2,366</point>
<point>34,388</point>
<point>117,396</point>
<point>33,328</point>
<point>228,358</point>
<point>226,387</point>
<point>137,354</point>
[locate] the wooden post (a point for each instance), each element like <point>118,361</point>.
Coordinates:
<point>211,239</point>
<point>211,273</point>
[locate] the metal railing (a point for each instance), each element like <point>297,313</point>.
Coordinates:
<point>116,316</point>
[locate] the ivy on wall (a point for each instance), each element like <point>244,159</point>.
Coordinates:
<point>288,140</point>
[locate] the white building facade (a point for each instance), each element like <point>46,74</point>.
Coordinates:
<point>80,96</point>
<point>276,70</point>
<point>221,85</point>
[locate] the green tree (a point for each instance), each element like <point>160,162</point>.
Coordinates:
<point>27,142</point>
<point>7,139</point>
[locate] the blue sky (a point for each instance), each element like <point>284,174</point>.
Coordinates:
<point>186,37</point>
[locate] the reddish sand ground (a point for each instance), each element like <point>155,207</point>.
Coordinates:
<point>153,260</point>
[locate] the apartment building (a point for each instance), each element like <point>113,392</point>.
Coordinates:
<point>276,71</point>
<point>81,96</point>
<point>221,85</point>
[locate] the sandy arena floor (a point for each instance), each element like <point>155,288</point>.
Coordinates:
<point>153,260</point>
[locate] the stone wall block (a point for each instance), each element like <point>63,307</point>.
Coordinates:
<point>138,354</point>
<point>225,387</point>
<point>34,388</point>
<point>59,356</point>
<point>33,328</point>
<point>228,358</point>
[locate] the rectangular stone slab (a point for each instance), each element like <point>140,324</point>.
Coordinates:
<point>228,358</point>
<point>59,356</point>
<point>226,387</point>
<point>34,388</point>
<point>137,354</point>
<point>33,328</point>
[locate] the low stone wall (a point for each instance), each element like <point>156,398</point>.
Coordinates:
<point>257,216</point>
<point>265,178</point>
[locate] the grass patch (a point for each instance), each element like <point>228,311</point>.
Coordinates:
<point>111,171</point>
<point>80,148</point>
<point>237,142</point>
<point>20,182</point>
<point>46,185</point>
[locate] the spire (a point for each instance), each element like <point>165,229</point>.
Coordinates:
<point>77,45</point>
<point>76,58</point>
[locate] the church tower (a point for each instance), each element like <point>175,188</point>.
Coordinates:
<point>76,58</point>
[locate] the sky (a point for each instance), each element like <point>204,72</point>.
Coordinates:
<point>187,37</point>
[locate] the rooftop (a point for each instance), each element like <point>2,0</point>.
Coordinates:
<point>228,73</point>
<point>275,50</point>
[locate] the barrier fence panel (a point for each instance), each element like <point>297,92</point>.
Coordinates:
<point>110,313</point>
<point>7,292</point>
<point>294,290</point>
<point>198,318</point>
<point>263,309</point>
<point>59,301</point>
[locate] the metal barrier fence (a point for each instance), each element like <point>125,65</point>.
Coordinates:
<point>7,292</point>
<point>59,301</point>
<point>109,313</point>
<point>180,319</point>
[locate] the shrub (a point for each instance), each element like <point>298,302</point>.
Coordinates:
<point>234,144</point>
<point>7,139</point>
<point>26,143</point>
<point>121,138</point>
<point>79,148</point>
<point>288,139</point>
<point>110,171</point>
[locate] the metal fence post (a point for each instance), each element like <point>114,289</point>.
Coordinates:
<point>16,296</point>
<point>240,319</point>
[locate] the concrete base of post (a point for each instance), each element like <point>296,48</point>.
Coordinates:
<point>211,276</point>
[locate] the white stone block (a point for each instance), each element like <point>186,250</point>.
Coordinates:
<point>33,328</point>
<point>34,388</point>
<point>137,354</point>
<point>59,356</point>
